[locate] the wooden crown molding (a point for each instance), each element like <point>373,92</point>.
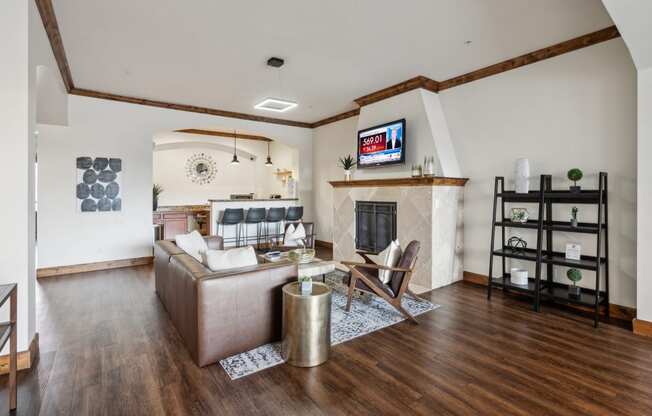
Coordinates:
<point>185,107</point>
<point>435,86</point>
<point>532,57</point>
<point>226,134</point>
<point>49,19</point>
<point>337,117</point>
<point>51,26</point>
<point>52,29</point>
<point>405,86</point>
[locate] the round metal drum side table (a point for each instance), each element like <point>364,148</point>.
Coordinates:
<point>306,325</point>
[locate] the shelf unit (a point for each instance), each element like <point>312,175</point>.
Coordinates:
<point>545,226</point>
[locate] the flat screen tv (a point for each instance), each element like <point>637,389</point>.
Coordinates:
<point>382,145</point>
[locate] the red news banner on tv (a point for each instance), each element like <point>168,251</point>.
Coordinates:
<point>373,144</point>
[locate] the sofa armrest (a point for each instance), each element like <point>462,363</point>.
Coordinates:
<point>215,242</point>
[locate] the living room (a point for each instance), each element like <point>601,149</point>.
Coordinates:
<point>321,237</point>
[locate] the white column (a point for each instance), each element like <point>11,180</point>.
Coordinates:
<point>644,198</point>
<point>17,121</point>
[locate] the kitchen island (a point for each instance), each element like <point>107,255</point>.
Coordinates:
<point>219,205</point>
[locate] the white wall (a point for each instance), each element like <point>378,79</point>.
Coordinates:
<point>577,109</point>
<point>116,129</point>
<point>633,20</point>
<point>169,168</point>
<point>17,125</point>
<point>330,142</point>
<point>644,222</point>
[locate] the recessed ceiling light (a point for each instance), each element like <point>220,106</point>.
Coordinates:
<point>275,104</point>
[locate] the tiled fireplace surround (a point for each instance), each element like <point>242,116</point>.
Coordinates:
<point>428,210</point>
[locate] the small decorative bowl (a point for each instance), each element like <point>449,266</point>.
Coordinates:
<point>301,255</point>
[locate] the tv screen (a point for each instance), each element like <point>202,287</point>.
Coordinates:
<point>382,145</point>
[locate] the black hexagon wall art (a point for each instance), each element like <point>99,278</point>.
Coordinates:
<point>99,184</point>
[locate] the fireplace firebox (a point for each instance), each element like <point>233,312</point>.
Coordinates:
<point>375,225</point>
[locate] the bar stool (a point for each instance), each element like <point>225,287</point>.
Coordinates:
<point>274,217</point>
<point>294,214</point>
<point>231,216</point>
<point>254,216</point>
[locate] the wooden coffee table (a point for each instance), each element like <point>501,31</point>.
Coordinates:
<point>317,267</point>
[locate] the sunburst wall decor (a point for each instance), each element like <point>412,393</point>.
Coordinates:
<point>201,168</point>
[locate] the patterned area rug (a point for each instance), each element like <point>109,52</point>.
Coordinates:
<point>368,314</point>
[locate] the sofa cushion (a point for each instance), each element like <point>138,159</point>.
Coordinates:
<point>229,259</point>
<point>192,243</point>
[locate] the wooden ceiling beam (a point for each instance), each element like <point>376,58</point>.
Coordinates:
<point>226,134</point>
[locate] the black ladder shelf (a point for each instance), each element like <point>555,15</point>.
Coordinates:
<point>545,226</point>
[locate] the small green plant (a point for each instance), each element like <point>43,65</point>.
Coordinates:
<point>303,279</point>
<point>575,175</point>
<point>347,162</point>
<point>574,213</point>
<point>574,276</point>
<point>157,191</point>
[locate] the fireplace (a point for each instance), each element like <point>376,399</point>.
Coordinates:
<point>375,225</point>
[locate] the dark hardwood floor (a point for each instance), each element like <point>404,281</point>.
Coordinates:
<point>108,348</point>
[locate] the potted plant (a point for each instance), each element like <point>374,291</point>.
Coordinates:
<point>347,163</point>
<point>574,276</point>
<point>575,175</point>
<point>574,217</point>
<point>305,285</point>
<point>158,190</point>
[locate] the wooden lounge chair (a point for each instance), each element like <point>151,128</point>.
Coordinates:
<point>364,277</point>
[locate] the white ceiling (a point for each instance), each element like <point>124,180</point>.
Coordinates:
<point>212,53</point>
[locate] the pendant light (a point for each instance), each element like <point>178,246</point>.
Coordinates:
<point>235,160</point>
<point>269,158</point>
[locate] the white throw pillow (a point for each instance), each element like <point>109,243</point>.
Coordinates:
<point>229,259</point>
<point>389,257</point>
<point>293,234</point>
<point>192,243</point>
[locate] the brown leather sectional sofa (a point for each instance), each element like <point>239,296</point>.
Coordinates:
<point>219,314</point>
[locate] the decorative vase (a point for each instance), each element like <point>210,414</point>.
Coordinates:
<point>574,292</point>
<point>521,176</point>
<point>155,205</point>
<point>416,171</point>
<point>575,189</point>
<point>428,166</point>
<point>347,174</point>
<point>574,222</point>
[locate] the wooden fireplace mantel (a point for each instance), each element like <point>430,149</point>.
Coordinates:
<point>421,181</point>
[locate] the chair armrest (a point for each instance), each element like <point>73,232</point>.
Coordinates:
<point>374,266</point>
<point>214,242</point>
<point>365,257</point>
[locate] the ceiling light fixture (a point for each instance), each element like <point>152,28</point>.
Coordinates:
<point>269,158</point>
<point>235,160</point>
<point>277,105</point>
